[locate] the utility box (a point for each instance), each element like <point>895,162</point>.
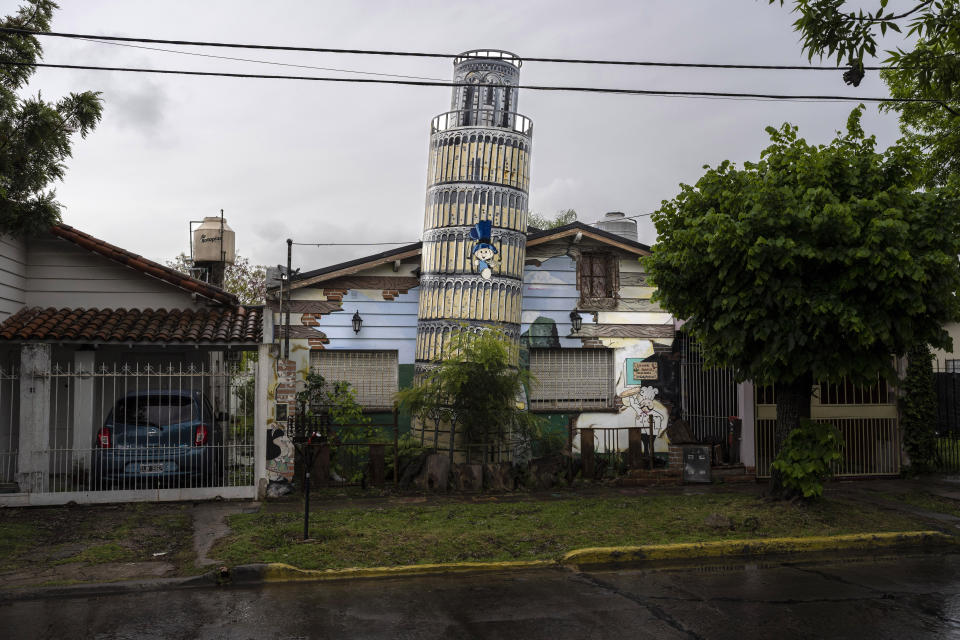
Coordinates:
<point>696,463</point>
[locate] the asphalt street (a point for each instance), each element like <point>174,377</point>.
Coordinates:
<point>892,597</point>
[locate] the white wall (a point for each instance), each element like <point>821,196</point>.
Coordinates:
<point>13,280</point>
<point>61,274</point>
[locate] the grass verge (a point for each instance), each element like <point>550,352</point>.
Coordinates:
<point>36,538</point>
<point>500,531</point>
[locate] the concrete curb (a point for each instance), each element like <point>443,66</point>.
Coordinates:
<point>279,572</point>
<point>606,556</point>
<point>589,558</point>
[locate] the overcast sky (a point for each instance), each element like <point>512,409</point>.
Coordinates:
<point>333,162</point>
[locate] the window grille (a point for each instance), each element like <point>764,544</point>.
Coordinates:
<point>598,275</point>
<point>373,375</point>
<point>848,393</point>
<point>576,379</point>
<point>952,366</point>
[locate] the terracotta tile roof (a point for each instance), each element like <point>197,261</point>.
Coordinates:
<point>143,265</point>
<point>241,324</point>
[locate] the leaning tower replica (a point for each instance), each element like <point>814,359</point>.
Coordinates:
<point>474,230</point>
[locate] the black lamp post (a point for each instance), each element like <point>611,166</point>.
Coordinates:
<point>576,320</point>
<point>357,322</point>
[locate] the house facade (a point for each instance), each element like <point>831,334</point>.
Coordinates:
<point>89,331</point>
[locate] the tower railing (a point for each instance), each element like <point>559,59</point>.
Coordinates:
<point>489,54</point>
<point>482,118</point>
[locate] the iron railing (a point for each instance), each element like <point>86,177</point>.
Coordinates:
<point>493,118</point>
<point>132,426</point>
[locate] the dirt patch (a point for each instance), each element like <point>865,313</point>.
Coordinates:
<point>94,543</point>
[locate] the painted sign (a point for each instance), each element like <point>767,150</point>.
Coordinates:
<point>639,370</point>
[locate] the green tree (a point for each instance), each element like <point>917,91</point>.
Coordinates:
<point>918,408</point>
<point>475,392</point>
<point>245,280</point>
<point>564,216</point>
<point>926,67</point>
<point>35,135</point>
<point>815,263</point>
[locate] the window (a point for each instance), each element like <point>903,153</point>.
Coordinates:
<point>952,366</point>
<point>372,374</point>
<point>598,275</point>
<point>578,379</point>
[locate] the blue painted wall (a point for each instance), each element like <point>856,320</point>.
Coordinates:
<point>550,291</point>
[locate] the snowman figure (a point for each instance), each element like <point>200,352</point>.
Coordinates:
<point>484,253</point>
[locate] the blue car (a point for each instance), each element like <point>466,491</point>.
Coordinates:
<point>158,438</point>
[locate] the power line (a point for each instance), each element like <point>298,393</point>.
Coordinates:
<point>350,244</point>
<point>430,83</point>
<point>422,54</point>
<point>279,64</point>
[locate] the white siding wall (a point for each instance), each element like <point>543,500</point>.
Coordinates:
<point>13,276</point>
<point>61,274</point>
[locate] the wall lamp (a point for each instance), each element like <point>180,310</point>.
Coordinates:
<point>576,320</point>
<point>357,322</point>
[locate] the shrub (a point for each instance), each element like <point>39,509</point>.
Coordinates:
<point>806,457</point>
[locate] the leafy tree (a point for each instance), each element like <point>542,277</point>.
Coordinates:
<point>245,280</point>
<point>35,135</point>
<point>918,406</point>
<point>815,263</point>
<point>475,391</point>
<point>928,68</point>
<point>564,216</point>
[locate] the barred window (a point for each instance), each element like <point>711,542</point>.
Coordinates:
<point>576,379</point>
<point>952,366</point>
<point>598,275</point>
<point>373,375</point>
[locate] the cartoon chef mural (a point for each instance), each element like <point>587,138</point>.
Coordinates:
<point>642,400</point>
<point>484,253</point>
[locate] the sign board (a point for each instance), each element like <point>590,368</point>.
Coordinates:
<point>640,371</point>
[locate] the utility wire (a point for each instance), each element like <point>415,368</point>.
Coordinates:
<point>279,64</point>
<point>429,83</point>
<point>350,244</point>
<point>422,54</point>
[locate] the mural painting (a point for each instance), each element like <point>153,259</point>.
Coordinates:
<point>483,252</point>
<point>280,456</point>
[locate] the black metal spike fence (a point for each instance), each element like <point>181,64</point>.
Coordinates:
<point>947,429</point>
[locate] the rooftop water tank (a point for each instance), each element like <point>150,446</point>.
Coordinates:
<point>616,222</point>
<point>207,241</point>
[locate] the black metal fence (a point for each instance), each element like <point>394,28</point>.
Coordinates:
<point>343,455</point>
<point>947,383</point>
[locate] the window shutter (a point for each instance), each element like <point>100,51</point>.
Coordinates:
<point>373,375</point>
<point>572,379</point>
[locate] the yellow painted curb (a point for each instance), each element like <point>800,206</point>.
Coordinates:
<point>600,556</point>
<point>279,572</point>
<point>760,546</point>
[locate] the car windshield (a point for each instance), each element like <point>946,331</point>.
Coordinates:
<point>159,410</point>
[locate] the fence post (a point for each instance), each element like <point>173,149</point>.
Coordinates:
<point>34,454</point>
<point>396,447</point>
<point>261,412</point>
<point>586,452</point>
<point>635,448</point>
<point>377,465</point>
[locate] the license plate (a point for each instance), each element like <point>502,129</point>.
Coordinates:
<point>151,468</point>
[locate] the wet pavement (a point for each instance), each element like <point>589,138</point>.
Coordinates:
<point>893,597</point>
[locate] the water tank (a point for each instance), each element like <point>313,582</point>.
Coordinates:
<point>207,241</point>
<point>616,222</point>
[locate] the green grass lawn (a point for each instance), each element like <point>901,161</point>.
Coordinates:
<point>97,534</point>
<point>485,531</point>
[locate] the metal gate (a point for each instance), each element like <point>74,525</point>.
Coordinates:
<point>947,381</point>
<point>708,397</point>
<point>866,417</point>
<point>129,431</point>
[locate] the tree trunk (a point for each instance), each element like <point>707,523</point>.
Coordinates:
<point>793,405</point>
